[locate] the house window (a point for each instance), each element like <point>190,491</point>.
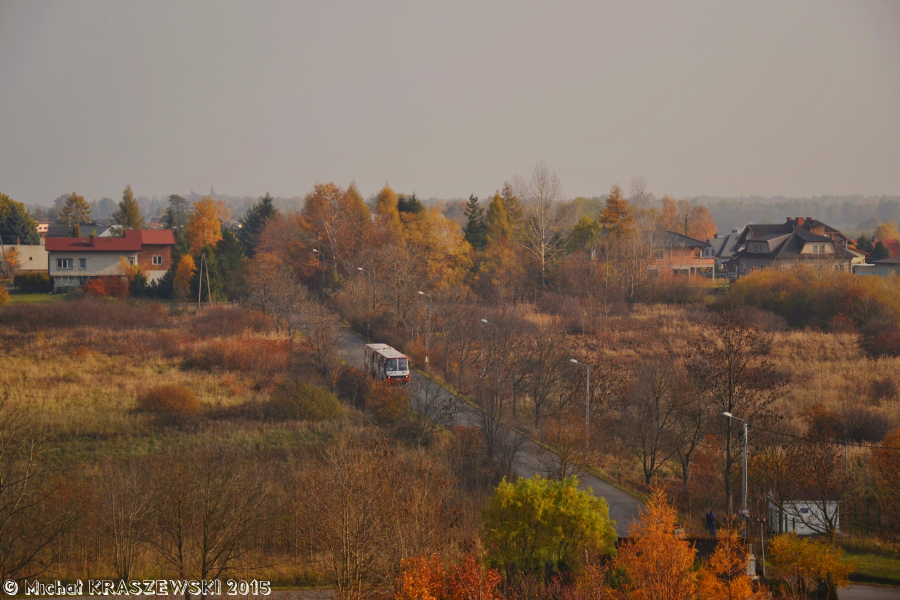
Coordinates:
<point>658,255</point>
<point>82,264</point>
<point>157,259</point>
<point>130,260</point>
<point>63,264</point>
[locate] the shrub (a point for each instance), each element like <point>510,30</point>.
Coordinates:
<point>260,357</point>
<point>169,400</point>
<point>4,295</point>
<point>353,386</point>
<point>302,402</point>
<point>33,283</point>
<point>228,322</point>
<point>106,287</point>
<point>86,312</point>
<point>387,403</point>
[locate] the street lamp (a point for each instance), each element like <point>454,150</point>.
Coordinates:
<point>587,403</point>
<point>428,332</point>
<point>496,365</point>
<point>371,297</point>
<point>744,513</point>
<point>320,258</point>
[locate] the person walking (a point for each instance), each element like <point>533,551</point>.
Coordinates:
<point>711,522</point>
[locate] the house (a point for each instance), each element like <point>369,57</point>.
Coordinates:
<point>66,231</point>
<point>676,254</point>
<point>73,261</point>
<point>32,259</point>
<point>804,513</point>
<point>800,240</point>
<point>723,249</point>
<point>42,228</point>
<point>886,267</point>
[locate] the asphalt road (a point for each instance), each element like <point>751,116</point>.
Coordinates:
<point>623,507</point>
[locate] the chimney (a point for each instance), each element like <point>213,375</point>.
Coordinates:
<point>92,238</point>
<point>734,230</point>
<point>800,221</point>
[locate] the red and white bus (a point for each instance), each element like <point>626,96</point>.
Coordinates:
<point>385,363</point>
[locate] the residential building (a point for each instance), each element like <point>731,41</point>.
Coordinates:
<point>676,254</point>
<point>723,249</point>
<point>800,240</point>
<point>74,261</point>
<point>886,267</point>
<point>32,258</point>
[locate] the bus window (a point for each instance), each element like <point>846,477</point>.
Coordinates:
<point>404,364</point>
<point>390,364</point>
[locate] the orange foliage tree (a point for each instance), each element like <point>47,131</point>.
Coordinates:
<point>724,576</point>
<point>203,227</point>
<point>428,579</point>
<point>109,287</point>
<point>885,464</point>
<point>658,564</point>
<point>184,272</point>
<point>338,219</point>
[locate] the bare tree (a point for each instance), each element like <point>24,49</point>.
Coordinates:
<point>432,408</point>
<point>320,332</point>
<point>124,504</point>
<point>736,377</point>
<point>650,416</point>
<point>545,222</point>
<point>29,519</point>
<point>822,480</point>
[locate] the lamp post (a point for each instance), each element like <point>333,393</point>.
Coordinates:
<point>320,258</point>
<point>371,302</point>
<point>496,366</point>
<point>587,403</point>
<point>428,331</point>
<point>744,513</point>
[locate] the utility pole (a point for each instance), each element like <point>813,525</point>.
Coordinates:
<point>587,404</point>
<point>428,331</point>
<point>744,512</point>
<point>371,306</point>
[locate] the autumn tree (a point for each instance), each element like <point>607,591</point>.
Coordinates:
<point>724,576</point>
<point>75,210</point>
<point>203,227</point>
<point>658,563</point>
<point>129,214</point>
<point>16,227</point>
<point>885,465</point>
<point>337,219</point>
<point>387,212</point>
<point>537,522</point>
<point>184,273</point>
<point>803,564</point>
<point>692,220</point>
<point>617,217</point>
<point>886,231</point>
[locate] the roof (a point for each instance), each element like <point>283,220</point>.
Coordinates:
<point>385,350</point>
<point>725,246</point>
<point>133,241</point>
<point>887,261</point>
<point>670,239</point>
<point>893,247</point>
<point>786,240</point>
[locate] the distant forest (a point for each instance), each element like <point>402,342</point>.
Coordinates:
<point>853,214</point>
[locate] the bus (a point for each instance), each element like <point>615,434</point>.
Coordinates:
<point>387,364</point>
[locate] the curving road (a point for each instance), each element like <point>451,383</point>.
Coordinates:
<point>623,507</point>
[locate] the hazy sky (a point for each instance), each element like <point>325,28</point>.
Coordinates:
<point>450,98</point>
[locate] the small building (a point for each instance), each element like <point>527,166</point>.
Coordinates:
<point>676,254</point>
<point>886,267</point>
<point>804,513</point>
<point>723,249</point>
<point>74,261</point>
<point>32,258</point>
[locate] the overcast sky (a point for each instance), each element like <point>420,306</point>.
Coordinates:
<point>450,98</point>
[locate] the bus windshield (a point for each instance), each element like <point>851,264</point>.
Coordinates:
<point>396,364</point>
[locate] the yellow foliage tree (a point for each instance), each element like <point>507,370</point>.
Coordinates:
<point>886,231</point>
<point>802,563</point>
<point>658,563</point>
<point>183,275</point>
<point>387,211</point>
<point>13,262</point>
<point>203,227</point>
